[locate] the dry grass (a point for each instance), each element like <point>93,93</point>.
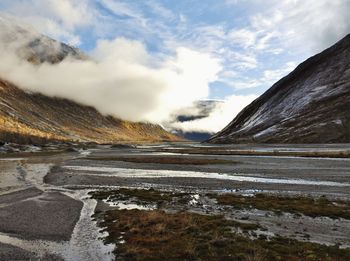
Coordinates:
<point>140,195</point>
<point>304,205</point>
<point>157,235</point>
<point>52,118</point>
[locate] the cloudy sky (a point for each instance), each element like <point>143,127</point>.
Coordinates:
<point>231,50</point>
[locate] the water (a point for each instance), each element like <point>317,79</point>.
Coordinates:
<point>141,173</point>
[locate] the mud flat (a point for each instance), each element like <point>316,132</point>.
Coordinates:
<point>49,216</point>
<point>278,203</point>
<point>9,252</point>
<point>43,222</point>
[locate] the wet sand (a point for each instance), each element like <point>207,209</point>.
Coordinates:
<point>43,222</point>
<point>9,252</point>
<point>49,216</point>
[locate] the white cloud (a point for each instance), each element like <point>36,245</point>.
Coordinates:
<point>242,55</point>
<point>243,83</point>
<point>159,9</point>
<point>290,30</point>
<point>243,37</point>
<point>219,117</point>
<point>313,24</point>
<point>58,19</point>
<point>125,9</point>
<point>54,30</point>
<point>125,81</point>
<point>271,76</point>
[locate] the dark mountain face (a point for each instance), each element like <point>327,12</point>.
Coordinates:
<point>310,105</point>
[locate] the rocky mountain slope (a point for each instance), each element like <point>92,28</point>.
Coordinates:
<point>34,118</point>
<point>310,105</point>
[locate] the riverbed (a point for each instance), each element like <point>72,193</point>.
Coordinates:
<point>45,208</point>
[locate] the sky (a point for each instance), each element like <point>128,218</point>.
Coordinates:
<point>230,50</point>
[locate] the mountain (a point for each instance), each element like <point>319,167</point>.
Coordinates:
<point>310,105</point>
<point>32,46</point>
<point>199,110</point>
<point>35,118</point>
<point>27,117</point>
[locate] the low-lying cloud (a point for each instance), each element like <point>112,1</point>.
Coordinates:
<point>123,79</point>
<point>120,78</point>
<point>218,118</point>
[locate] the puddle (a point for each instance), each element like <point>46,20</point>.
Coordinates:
<point>243,192</point>
<point>140,173</point>
<point>129,206</point>
<point>84,152</point>
<point>194,199</point>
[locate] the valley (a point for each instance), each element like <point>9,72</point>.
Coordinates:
<point>113,143</point>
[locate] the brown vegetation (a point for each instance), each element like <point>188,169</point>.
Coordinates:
<point>24,114</point>
<point>304,205</point>
<point>226,151</point>
<point>141,195</point>
<point>166,160</point>
<point>161,235</point>
<point>157,235</point>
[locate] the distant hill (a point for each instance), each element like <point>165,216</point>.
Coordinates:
<point>310,105</point>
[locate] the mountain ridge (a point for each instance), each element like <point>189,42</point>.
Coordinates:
<point>267,120</point>
<point>35,118</point>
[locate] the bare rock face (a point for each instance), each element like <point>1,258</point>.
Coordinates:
<point>310,105</point>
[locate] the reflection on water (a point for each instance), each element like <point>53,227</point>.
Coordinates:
<point>141,173</point>
<point>129,206</point>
